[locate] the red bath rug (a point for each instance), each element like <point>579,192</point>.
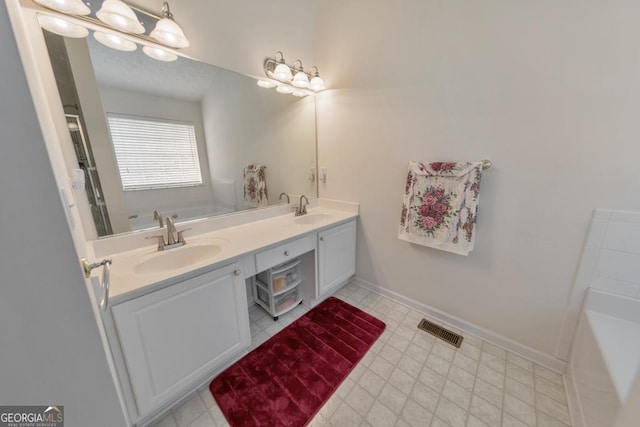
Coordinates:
<point>286,380</point>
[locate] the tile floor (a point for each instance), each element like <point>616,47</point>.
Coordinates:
<point>409,378</point>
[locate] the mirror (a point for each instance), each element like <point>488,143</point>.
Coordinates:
<point>225,123</point>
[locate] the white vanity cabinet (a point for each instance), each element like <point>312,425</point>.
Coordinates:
<point>173,339</point>
<point>336,257</point>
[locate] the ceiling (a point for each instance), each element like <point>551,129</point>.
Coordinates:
<point>183,79</point>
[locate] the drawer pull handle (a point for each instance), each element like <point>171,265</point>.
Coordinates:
<point>286,253</point>
<point>236,272</point>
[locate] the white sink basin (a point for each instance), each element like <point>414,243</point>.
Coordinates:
<point>178,258</point>
<point>312,218</point>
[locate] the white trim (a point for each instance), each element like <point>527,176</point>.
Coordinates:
<point>573,304</point>
<point>527,352</point>
<point>573,402</point>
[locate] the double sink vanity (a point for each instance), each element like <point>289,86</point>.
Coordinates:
<point>176,318</point>
<point>172,319</point>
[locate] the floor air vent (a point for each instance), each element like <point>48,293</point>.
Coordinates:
<point>440,332</point>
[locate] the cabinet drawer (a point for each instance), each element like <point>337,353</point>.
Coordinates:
<point>286,300</point>
<point>284,252</point>
<point>279,278</point>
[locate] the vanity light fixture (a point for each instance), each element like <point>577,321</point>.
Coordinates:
<point>284,89</point>
<point>62,27</point>
<point>316,84</point>
<point>120,16</point>
<point>72,7</point>
<point>159,54</point>
<point>281,71</point>
<point>117,26</point>
<point>290,79</point>
<point>167,31</point>
<point>266,84</point>
<point>115,42</point>
<point>300,79</point>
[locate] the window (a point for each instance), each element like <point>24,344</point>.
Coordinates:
<point>154,153</point>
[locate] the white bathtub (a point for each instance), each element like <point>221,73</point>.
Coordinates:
<point>604,359</point>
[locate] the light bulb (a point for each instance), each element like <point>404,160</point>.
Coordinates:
<point>266,84</point>
<point>115,42</point>
<point>159,54</point>
<point>62,27</point>
<point>120,16</point>
<point>301,79</point>
<point>284,89</point>
<point>282,72</point>
<point>169,33</point>
<point>317,84</point>
<point>298,93</point>
<point>73,7</point>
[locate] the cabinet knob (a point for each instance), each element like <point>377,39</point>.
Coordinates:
<point>286,253</point>
<point>322,239</point>
<point>236,272</point>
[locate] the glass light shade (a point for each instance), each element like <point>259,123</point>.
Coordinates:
<point>62,27</point>
<point>115,42</point>
<point>317,84</point>
<point>282,72</point>
<point>169,33</point>
<point>298,93</point>
<point>159,54</point>
<point>266,84</point>
<point>120,16</point>
<point>73,7</point>
<point>301,79</point>
<point>284,89</point>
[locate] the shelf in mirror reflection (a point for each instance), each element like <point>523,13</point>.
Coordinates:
<point>236,123</point>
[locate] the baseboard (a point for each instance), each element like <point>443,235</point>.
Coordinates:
<point>573,402</point>
<point>527,352</point>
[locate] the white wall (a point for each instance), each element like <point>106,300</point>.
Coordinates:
<point>170,200</point>
<point>51,350</point>
<point>549,91</point>
<point>239,35</point>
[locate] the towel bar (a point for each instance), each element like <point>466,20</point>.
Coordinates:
<point>486,164</point>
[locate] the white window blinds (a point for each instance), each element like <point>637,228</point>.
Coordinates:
<point>154,153</point>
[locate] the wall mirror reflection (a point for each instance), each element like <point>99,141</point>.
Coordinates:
<point>184,138</point>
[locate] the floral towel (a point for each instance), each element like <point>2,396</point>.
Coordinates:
<point>440,205</point>
<point>255,186</point>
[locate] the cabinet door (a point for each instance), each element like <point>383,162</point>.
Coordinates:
<point>336,256</point>
<point>173,338</point>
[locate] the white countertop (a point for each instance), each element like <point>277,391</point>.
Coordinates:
<point>236,241</point>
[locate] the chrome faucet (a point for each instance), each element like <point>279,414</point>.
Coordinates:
<point>285,195</point>
<point>302,209</point>
<point>158,217</point>
<point>175,238</point>
<point>171,232</point>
